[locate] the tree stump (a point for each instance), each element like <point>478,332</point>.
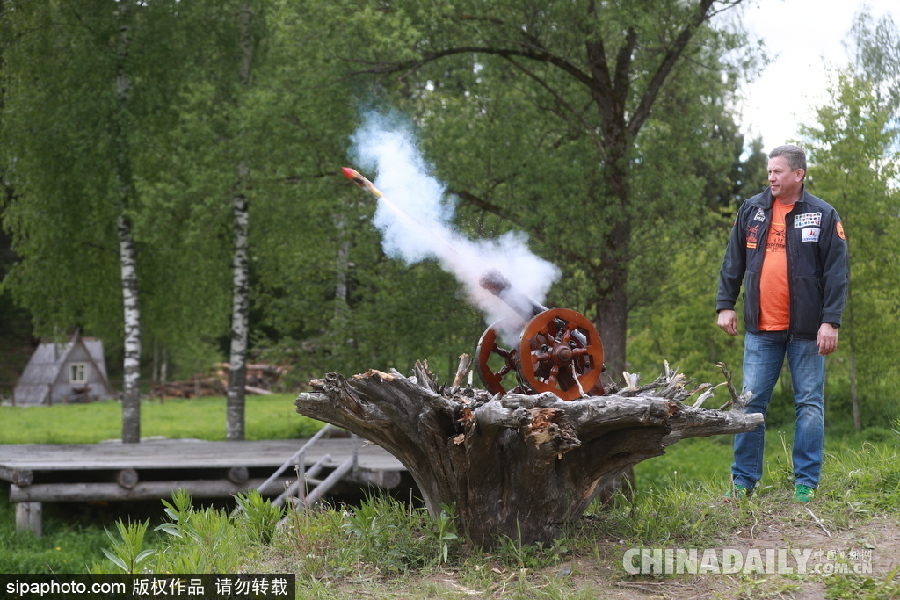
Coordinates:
<point>515,466</point>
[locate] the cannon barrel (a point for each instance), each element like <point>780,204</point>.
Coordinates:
<point>494,282</point>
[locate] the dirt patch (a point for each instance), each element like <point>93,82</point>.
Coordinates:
<point>872,548</point>
<point>872,544</point>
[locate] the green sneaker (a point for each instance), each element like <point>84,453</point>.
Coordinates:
<point>736,492</point>
<point>803,493</point>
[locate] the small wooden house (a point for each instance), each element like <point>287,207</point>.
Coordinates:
<point>67,372</point>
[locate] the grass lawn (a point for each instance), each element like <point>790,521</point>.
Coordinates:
<point>334,551</point>
<point>74,532</point>
<point>266,418</point>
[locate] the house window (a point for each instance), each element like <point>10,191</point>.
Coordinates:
<point>78,373</point>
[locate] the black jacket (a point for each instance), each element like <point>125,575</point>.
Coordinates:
<point>818,273</point>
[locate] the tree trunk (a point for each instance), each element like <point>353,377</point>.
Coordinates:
<point>237,366</point>
<point>240,316</point>
<point>518,466</point>
<point>611,277</point>
<point>131,392</point>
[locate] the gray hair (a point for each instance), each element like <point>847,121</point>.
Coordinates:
<point>794,155</point>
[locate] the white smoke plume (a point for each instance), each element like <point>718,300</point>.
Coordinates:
<point>415,219</point>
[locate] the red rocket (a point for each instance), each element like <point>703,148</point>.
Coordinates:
<point>361,181</point>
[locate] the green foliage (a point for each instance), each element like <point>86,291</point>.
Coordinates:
<point>199,541</point>
<point>860,587</point>
<point>66,546</point>
<point>380,533</point>
<point>210,540</point>
<point>691,459</point>
<point>680,327</point>
<point>853,481</point>
<point>444,532</point>
<point>388,535</point>
<point>516,555</point>
<point>521,144</point>
<point>71,152</point>
<point>853,147</point>
<point>531,137</point>
<point>679,511</point>
<point>127,552</point>
<point>874,48</point>
<point>318,537</point>
<point>324,296</point>
<point>848,476</point>
<point>258,516</point>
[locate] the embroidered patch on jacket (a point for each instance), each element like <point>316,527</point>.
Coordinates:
<point>811,234</point>
<point>760,215</point>
<point>840,230</point>
<point>807,220</point>
<point>752,240</point>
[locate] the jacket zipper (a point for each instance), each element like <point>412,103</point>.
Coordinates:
<point>790,278</point>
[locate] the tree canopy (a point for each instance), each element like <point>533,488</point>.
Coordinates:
<point>606,132</point>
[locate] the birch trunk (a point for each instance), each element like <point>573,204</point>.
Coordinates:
<point>240,315</point>
<point>131,388</point>
<point>131,393</point>
<point>237,364</point>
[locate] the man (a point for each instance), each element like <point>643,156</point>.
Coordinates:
<point>788,249</point>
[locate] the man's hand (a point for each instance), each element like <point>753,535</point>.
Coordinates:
<point>827,339</point>
<point>727,322</point>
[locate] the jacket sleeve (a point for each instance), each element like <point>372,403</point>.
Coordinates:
<point>731,275</point>
<point>835,270</point>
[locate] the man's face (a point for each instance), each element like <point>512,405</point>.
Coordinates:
<point>785,183</point>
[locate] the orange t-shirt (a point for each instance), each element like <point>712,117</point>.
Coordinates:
<point>774,296</point>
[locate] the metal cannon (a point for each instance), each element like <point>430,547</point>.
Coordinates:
<point>558,349</point>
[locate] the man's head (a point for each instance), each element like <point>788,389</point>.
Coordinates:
<point>786,168</point>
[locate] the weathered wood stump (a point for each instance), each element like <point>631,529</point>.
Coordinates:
<point>516,466</point>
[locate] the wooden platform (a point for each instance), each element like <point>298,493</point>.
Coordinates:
<point>154,468</point>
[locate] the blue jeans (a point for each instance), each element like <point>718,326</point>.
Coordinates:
<point>764,354</point>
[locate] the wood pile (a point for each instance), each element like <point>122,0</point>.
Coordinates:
<point>191,388</point>
<point>261,378</point>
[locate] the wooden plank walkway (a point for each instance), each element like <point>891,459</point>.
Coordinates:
<point>154,468</point>
<point>184,454</point>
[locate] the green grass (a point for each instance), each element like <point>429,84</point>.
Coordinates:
<point>695,459</point>
<point>383,547</point>
<point>69,544</point>
<point>266,418</point>
<point>74,532</point>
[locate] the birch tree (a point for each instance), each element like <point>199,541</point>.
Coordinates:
<point>240,315</point>
<point>131,390</point>
<point>88,86</point>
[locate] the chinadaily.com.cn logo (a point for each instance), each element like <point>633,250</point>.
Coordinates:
<point>760,561</point>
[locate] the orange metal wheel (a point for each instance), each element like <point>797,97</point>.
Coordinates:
<point>560,352</point>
